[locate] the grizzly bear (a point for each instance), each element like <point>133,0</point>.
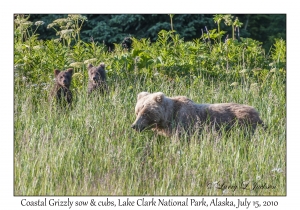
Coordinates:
<point>175,115</point>
<point>62,86</point>
<point>97,78</point>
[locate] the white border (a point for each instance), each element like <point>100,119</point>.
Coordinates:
<point>8,8</point>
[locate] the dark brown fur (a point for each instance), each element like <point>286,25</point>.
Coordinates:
<point>97,78</point>
<point>62,86</point>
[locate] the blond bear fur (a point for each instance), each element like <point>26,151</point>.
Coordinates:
<point>169,116</point>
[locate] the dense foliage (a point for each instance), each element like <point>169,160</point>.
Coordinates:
<point>112,28</point>
<point>169,55</point>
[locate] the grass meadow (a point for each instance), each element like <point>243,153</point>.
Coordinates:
<point>91,149</point>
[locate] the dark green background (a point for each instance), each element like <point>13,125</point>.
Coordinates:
<point>113,28</point>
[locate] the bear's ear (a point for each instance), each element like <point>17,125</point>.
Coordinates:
<point>159,97</point>
<point>142,94</point>
<point>70,71</point>
<point>90,66</point>
<point>56,72</point>
<point>102,65</point>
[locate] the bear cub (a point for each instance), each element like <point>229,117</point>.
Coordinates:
<point>62,86</point>
<point>97,78</point>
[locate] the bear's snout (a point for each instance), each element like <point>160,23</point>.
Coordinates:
<point>96,77</point>
<point>133,126</point>
<point>139,124</point>
<point>137,127</point>
<point>65,81</point>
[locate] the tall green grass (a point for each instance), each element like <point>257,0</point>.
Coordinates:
<point>91,149</point>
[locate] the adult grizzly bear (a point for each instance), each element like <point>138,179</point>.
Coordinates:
<point>97,78</point>
<point>169,116</point>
